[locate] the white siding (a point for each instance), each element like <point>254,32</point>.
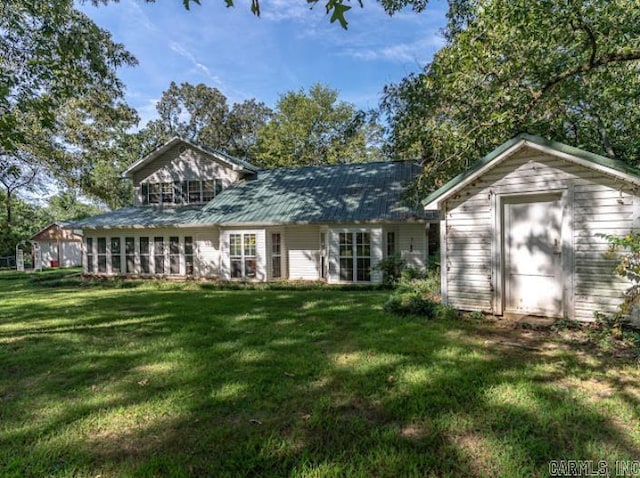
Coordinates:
<point>303,251</point>
<point>412,244</point>
<point>594,204</point>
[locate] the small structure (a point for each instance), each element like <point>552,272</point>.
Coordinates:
<point>522,230</point>
<point>59,246</point>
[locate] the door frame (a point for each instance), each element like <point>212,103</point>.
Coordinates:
<point>498,244</point>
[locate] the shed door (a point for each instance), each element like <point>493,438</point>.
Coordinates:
<point>533,262</point>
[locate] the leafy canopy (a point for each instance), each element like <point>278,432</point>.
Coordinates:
<point>567,70</point>
<point>314,127</point>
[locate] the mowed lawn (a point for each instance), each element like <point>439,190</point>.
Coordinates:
<point>184,379</point>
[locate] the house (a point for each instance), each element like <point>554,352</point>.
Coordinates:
<point>521,230</point>
<point>59,245</point>
<point>200,213</point>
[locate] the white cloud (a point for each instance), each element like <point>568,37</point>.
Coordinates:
<point>201,67</point>
<point>417,51</point>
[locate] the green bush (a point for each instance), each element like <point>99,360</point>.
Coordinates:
<point>391,268</point>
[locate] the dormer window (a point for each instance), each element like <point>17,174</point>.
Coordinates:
<point>193,191</point>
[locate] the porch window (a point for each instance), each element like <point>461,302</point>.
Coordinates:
<point>188,255</point>
<point>355,256</point>
<point>89,248</point>
<point>243,257</point>
<point>250,261</point>
<point>129,254</point>
<point>174,255</point>
<point>158,254</point>
<point>102,254</point>
<point>144,255</point>
<point>116,255</point>
<point>276,256</point>
<point>235,253</point>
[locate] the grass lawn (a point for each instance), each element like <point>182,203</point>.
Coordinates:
<point>183,379</point>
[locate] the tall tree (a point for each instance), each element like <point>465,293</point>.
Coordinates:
<point>201,113</point>
<point>568,70</point>
<point>59,93</point>
<point>313,127</point>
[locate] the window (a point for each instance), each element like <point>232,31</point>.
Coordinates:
<point>188,255</point>
<point>323,254</point>
<point>89,248</point>
<point>158,254</point>
<point>154,193</point>
<point>346,256</point>
<point>391,243</point>
<point>235,253</point>
<point>363,256</point>
<point>218,186</point>
<point>242,252</point>
<point>167,193</point>
<point>355,256</point>
<point>250,261</point>
<point>116,255</point>
<point>208,190</point>
<point>129,255</point>
<point>102,254</point>
<point>177,192</point>
<point>174,255</point>
<point>276,255</point>
<point>194,191</point>
<point>144,255</point>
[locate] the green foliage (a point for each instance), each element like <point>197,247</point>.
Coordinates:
<point>61,106</point>
<point>563,70</point>
<point>391,268</point>
<point>316,128</point>
<point>335,9</point>
<point>201,113</point>
<point>627,250</point>
<point>418,296</point>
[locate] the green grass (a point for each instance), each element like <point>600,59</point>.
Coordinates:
<point>184,379</point>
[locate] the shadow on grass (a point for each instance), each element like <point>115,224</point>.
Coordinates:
<point>285,382</point>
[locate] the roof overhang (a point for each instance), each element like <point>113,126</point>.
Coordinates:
<point>589,160</point>
<point>160,150</point>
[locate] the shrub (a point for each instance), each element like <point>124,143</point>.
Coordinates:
<point>419,294</point>
<point>391,268</point>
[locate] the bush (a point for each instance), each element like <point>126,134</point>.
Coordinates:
<point>391,268</point>
<point>419,294</point>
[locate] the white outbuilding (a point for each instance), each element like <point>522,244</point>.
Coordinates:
<point>522,230</point>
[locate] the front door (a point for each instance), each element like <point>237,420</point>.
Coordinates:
<point>533,260</point>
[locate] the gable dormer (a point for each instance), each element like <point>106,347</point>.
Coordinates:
<point>181,172</point>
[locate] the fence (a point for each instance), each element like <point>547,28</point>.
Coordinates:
<point>7,262</point>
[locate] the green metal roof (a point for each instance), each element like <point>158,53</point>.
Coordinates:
<point>613,164</point>
<point>349,193</point>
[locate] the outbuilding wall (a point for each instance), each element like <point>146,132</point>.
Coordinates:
<point>595,204</point>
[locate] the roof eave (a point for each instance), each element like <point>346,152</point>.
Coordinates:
<point>590,160</point>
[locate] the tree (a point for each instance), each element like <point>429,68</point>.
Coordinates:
<point>335,8</point>
<point>563,70</point>
<point>60,97</point>
<point>200,113</point>
<point>313,128</point>
<point>66,206</point>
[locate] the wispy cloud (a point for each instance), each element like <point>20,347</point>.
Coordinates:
<point>204,69</point>
<point>415,51</point>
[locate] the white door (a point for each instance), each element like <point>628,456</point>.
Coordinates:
<point>533,259</point>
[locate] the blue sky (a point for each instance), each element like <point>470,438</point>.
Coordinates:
<point>289,47</point>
